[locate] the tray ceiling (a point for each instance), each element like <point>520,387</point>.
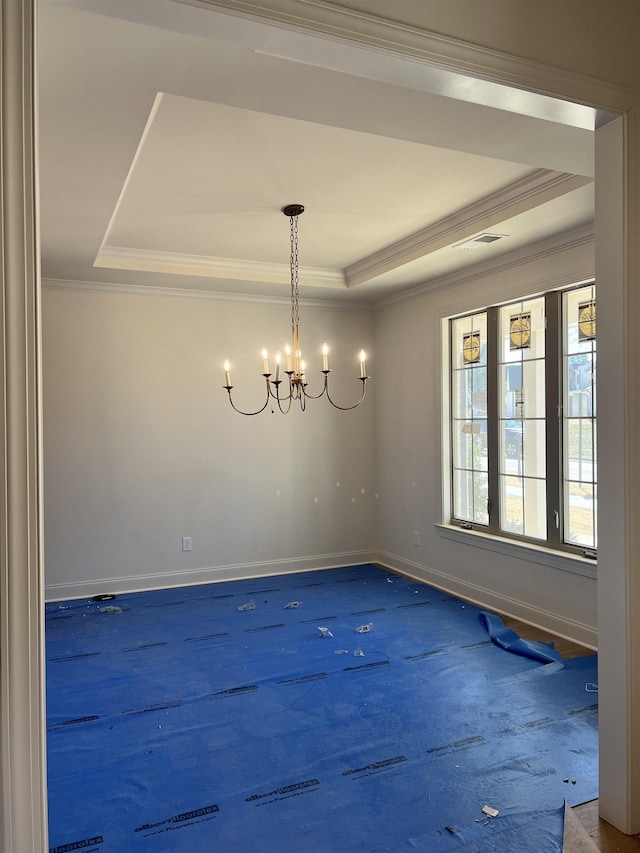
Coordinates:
<point>167,156</point>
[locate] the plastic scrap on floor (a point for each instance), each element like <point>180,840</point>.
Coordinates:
<point>324,632</point>
<point>364,629</point>
<point>110,609</point>
<point>292,604</point>
<point>490,812</point>
<point>521,831</point>
<point>507,639</point>
<point>248,605</point>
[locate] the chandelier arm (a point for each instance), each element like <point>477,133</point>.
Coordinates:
<point>325,390</point>
<point>314,396</point>
<point>363,379</point>
<point>288,409</point>
<point>239,411</point>
<point>280,400</point>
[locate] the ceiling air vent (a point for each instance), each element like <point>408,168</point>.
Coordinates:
<point>479,241</point>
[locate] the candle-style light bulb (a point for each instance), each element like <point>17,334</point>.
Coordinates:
<point>278,357</point>
<point>287,350</point>
<point>363,358</point>
<point>325,357</point>
<point>265,363</point>
<point>303,367</point>
<point>227,380</point>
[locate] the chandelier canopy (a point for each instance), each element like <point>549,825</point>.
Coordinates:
<point>295,366</point>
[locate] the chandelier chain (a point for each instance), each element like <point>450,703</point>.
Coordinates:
<point>295,370</point>
<point>295,292</point>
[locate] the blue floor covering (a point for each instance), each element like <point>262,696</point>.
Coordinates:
<point>217,718</point>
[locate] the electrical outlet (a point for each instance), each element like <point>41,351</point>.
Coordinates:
<point>186,543</point>
<point>416,538</point>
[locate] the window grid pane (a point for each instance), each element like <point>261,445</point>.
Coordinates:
<point>469,418</point>
<point>579,417</point>
<point>522,462</point>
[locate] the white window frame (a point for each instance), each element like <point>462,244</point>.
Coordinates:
<point>574,557</point>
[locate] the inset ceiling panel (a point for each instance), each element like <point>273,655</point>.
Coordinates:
<point>205,189</point>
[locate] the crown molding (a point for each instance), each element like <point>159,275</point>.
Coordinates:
<point>339,22</point>
<point>563,242</point>
<point>175,263</point>
<point>159,291</point>
<point>539,187</point>
<point>581,236</point>
<point>534,189</point>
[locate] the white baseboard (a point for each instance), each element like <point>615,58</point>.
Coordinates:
<point>577,632</point>
<point>212,574</point>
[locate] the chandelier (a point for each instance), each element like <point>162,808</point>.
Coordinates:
<point>296,383</point>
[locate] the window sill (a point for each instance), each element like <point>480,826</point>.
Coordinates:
<point>520,550</point>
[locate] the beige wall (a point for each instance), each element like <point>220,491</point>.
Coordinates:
<point>529,583</point>
<point>142,448</point>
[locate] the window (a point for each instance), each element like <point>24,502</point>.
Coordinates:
<point>523,419</point>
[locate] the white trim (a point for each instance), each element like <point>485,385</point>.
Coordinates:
<point>23,809</point>
<point>155,291</point>
<point>534,189</point>
<point>539,187</point>
<point>618,269</point>
<point>337,22</point>
<point>554,623</point>
<point>581,236</point>
<point>576,276</point>
<point>174,263</point>
<point>575,631</point>
<point>563,561</point>
<point>209,574</point>
<point>145,133</point>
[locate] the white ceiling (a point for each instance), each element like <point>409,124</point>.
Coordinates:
<point>171,136</point>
